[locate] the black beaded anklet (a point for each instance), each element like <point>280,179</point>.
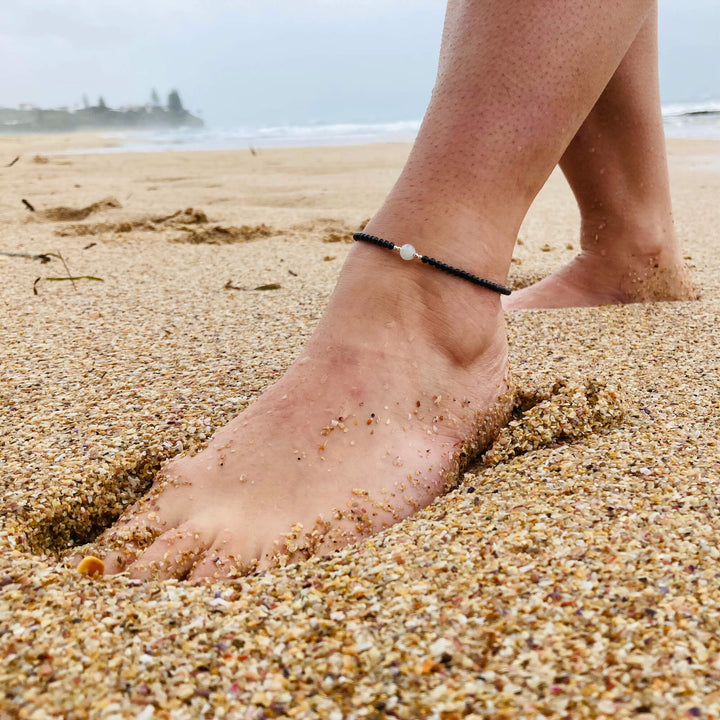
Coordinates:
<point>407,252</point>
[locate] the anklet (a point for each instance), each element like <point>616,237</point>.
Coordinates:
<point>407,252</point>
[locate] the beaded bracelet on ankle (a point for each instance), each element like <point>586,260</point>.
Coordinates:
<point>407,252</point>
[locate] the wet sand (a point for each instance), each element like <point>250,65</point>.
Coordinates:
<point>573,573</point>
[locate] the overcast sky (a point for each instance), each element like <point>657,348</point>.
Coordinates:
<point>261,62</point>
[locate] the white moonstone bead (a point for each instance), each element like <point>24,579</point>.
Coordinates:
<point>407,252</point>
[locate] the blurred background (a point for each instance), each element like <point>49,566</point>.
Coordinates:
<point>287,71</point>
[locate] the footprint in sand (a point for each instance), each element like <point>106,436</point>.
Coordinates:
<point>561,412</point>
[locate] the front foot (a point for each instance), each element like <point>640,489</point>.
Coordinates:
<point>285,481</point>
<point>365,429</point>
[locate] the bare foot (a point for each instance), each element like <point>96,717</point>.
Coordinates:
<point>624,271</point>
<point>364,429</point>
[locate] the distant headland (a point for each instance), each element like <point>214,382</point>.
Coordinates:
<point>152,115</point>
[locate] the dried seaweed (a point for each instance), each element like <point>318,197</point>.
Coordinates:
<point>70,277</point>
<point>42,257</point>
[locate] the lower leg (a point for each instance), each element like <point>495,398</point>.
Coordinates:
<point>365,426</point>
<point>616,166</point>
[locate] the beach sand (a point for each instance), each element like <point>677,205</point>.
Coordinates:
<point>574,573</point>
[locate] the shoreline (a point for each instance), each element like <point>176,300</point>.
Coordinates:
<point>689,121</point>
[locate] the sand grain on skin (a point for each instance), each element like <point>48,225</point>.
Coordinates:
<point>573,574</point>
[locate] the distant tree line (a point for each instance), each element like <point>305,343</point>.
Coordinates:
<point>174,103</point>
<point>100,116</point>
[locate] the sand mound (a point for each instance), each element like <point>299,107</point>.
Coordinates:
<point>559,413</point>
<point>187,221</point>
<point>180,218</point>
<point>221,235</point>
<point>191,222</point>
<point>65,214</point>
<point>330,230</point>
<point>188,216</point>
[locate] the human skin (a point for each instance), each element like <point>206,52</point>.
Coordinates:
<point>617,168</point>
<point>408,363</point>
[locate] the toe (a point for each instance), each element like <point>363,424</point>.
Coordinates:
<point>215,565</point>
<point>129,539</point>
<point>172,555</point>
<point>116,561</point>
<point>139,527</point>
<point>224,559</point>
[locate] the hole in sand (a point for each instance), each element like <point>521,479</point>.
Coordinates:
<point>94,507</point>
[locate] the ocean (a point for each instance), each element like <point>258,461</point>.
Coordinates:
<point>219,138</point>
<point>697,120</point>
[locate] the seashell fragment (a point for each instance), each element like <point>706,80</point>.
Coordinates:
<point>92,566</point>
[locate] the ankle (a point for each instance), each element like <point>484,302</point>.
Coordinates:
<point>409,304</point>
<point>453,232</point>
<point>644,240</point>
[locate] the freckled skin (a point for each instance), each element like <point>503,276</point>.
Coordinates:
<point>515,83</point>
